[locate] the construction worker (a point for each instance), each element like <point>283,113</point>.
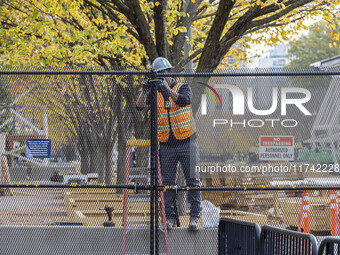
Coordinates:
<point>177,137</point>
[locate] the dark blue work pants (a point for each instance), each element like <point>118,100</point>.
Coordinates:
<point>187,155</point>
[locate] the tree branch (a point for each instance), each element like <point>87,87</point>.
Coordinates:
<point>138,20</point>
<point>176,50</point>
<point>214,35</point>
<point>290,5</point>
<point>110,12</point>
<point>188,59</point>
<point>162,45</point>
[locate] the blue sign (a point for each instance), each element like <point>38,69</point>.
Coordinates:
<point>38,148</point>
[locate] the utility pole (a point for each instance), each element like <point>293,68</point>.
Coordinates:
<point>188,68</point>
<point>187,47</point>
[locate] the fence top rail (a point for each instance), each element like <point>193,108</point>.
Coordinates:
<point>249,188</point>
<point>267,228</point>
<point>241,222</point>
<point>231,73</point>
<point>75,185</point>
<point>329,240</point>
<point>164,188</point>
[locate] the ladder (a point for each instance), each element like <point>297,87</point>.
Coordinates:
<point>4,176</point>
<point>135,173</point>
<point>4,171</point>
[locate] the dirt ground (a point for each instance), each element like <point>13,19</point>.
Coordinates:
<point>32,207</point>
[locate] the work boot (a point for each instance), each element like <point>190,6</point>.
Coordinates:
<point>194,223</point>
<point>170,224</point>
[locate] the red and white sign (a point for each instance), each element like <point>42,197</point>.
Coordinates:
<point>276,148</point>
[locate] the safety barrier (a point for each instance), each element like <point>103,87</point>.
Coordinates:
<point>329,246</point>
<point>238,237</point>
<point>241,237</point>
<point>281,241</point>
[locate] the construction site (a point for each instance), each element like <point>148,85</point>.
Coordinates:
<point>78,180</point>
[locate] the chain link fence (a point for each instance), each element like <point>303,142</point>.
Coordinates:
<point>82,166</point>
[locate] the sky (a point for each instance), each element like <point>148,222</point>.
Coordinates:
<point>258,48</point>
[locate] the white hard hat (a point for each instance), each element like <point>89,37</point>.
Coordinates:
<point>160,64</point>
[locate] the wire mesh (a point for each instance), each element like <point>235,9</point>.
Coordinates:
<point>68,138</point>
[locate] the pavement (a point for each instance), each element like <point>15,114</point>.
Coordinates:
<point>32,207</point>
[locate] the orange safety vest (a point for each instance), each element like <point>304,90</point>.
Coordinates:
<point>181,119</point>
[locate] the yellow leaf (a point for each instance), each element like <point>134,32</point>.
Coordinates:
<point>318,29</point>
<point>330,45</point>
<point>335,44</point>
<point>193,1</point>
<point>6,11</point>
<point>294,40</point>
<point>157,3</point>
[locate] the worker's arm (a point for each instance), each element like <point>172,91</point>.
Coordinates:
<point>164,85</point>
<point>174,95</point>
<point>141,100</point>
<point>184,96</point>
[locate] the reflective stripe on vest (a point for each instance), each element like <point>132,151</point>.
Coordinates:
<point>175,113</point>
<point>176,126</point>
<point>181,119</point>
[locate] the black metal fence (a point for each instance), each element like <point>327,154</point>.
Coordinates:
<point>280,241</point>
<point>247,238</point>
<point>329,246</point>
<point>68,138</point>
<point>238,237</point>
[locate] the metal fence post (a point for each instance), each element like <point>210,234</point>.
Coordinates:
<point>154,168</point>
<point>155,144</point>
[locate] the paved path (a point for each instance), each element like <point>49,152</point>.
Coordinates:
<point>32,207</point>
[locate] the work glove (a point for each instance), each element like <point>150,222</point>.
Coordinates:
<point>146,86</point>
<point>164,86</point>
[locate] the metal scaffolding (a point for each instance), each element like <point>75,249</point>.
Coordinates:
<point>326,127</point>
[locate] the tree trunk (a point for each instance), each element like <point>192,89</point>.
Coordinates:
<point>121,158</point>
<point>142,131</point>
<point>108,163</point>
<point>84,161</point>
<point>98,160</point>
<point>121,145</point>
<point>84,151</point>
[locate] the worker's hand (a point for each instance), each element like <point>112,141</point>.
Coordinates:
<point>146,86</point>
<point>164,86</point>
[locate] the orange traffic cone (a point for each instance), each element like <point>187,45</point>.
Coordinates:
<point>305,212</point>
<point>334,213</point>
